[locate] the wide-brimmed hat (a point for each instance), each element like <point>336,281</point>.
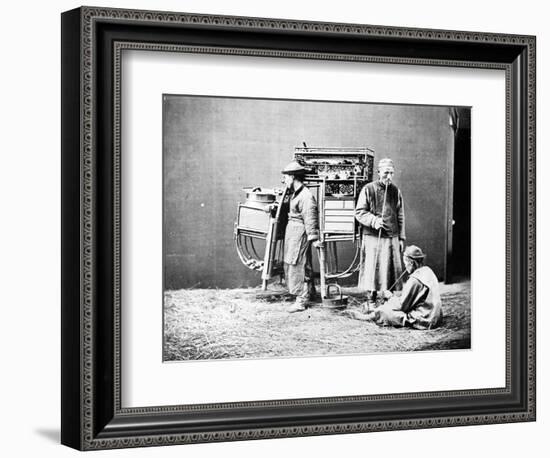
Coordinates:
<point>414,252</point>
<point>294,168</point>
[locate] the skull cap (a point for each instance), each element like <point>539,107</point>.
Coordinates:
<point>385,162</point>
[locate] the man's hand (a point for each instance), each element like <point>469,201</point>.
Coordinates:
<point>272,209</point>
<point>317,244</point>
<point>402,245</point>
<point>378,223</point>
<point>387,294</point>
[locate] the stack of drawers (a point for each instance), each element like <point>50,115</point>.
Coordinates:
<point>339,216</point>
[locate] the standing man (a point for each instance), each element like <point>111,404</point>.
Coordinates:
<point>381,213</point>
<point>302,229</point>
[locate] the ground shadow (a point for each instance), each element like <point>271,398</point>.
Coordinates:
<point>51,434</point>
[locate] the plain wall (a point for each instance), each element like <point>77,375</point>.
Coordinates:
<point>214,146</point>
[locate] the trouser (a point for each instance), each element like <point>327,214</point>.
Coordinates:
<point>299,278</point>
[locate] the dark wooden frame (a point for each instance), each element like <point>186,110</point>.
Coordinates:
<point>92,40</point>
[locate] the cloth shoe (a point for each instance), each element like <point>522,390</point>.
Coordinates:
<point>368,306</point>
<point>356,315</point>
<point>296,307</point>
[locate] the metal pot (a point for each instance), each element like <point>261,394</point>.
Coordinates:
<point>258,197</point>
<point>337,301</point>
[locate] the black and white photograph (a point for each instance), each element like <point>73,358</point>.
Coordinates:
<point>303,228</point>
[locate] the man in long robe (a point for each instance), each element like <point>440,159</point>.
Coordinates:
<point>381,212</point>
<point>301,231</point>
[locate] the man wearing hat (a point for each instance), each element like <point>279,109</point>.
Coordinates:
<point>302,229</point>
<point>381,213</point>
<point>420,303</point>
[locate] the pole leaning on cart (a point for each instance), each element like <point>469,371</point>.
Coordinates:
<point>271,240</point>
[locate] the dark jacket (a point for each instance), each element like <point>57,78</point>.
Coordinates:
<point>369,206</point>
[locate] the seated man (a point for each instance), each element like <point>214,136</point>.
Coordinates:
<point>420,303</point>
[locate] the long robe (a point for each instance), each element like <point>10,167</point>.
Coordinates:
<point>419,305</point>
<point>380,262</point>
<point>302,228</point>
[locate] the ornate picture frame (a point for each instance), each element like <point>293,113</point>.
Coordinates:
<point>93,416</point>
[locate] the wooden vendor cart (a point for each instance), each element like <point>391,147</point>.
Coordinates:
<point>335,176</point>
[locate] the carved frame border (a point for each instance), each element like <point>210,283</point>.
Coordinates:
<point>88,436</point>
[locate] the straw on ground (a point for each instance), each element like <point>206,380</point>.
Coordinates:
<point>234,323</point>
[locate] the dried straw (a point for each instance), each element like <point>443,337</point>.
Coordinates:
<point>239,323</point>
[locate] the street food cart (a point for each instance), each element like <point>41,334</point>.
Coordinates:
<point>335,176</point>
